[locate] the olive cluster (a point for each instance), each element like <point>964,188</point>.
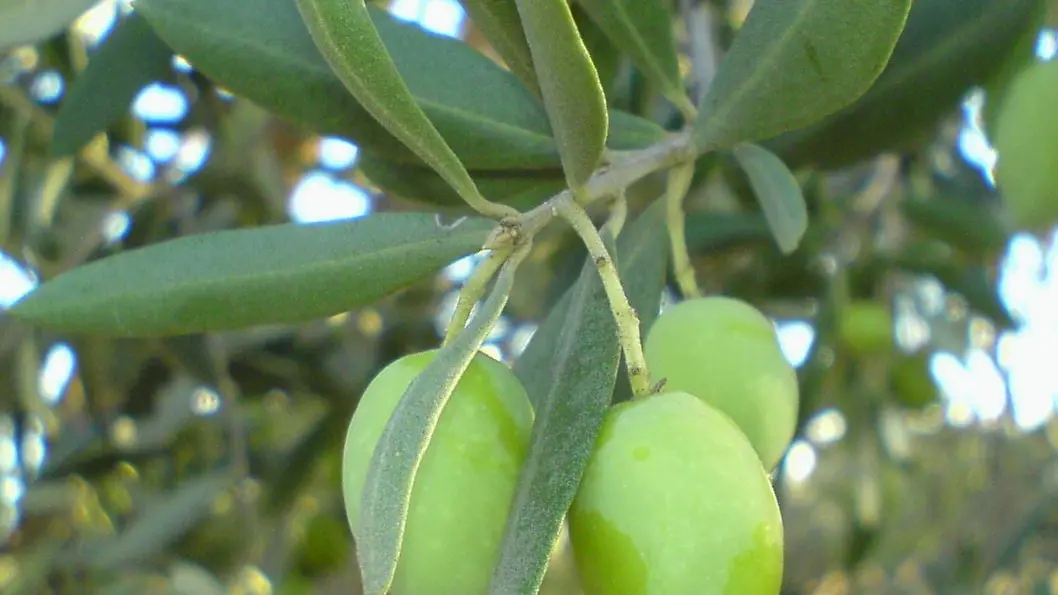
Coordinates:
<point>676,498</point>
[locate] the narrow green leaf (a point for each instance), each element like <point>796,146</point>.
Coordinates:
<point>396,460</point>
<point>946,48</point>
<point>238,278</point>
<point>573,95</point>
<point>160,524</point>
<point>643,30</point>
<point>795,62</point>
<point>131,58</point>
<point>778,192</point>
<point>261,50</point>
<point>346,36</point>
<point>25,22</point>
<point>499,22</point>
<point>520,189</point>
<point>708,232</point>
<point>569,370</point>
<point>604,54</point>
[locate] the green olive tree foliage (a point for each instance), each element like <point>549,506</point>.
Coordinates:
<point>753,161</point>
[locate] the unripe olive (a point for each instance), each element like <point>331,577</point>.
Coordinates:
<point>463,490</point>
<point>674,501</point>
<point>726,352</point>
<point>867,327</point>
<point>1026,141</point>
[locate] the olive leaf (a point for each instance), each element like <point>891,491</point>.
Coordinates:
<point>346,36</point>
<point>400,449</point>
<point>24,22</point>
<point>237,278</point>
<point>499,22</point>
<point>262,51</point>
<point>778,192</point>
<point>643,30</point>
<point>794,62</point>
<point>946,48</point>
<point>130,58</point>
<point>569,370</point>
<point>520,189</point>
<point>569,83</point>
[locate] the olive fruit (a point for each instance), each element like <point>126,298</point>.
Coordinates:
<point>463,490</point>
<point>1026,142</point>
<point>726,352</point>
<point>867,327</point>
<point>674,501</point>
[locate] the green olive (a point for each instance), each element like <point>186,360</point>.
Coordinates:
<point>1026,141</point>
<point>674,501</point>
<point>727,353</point>
<point>867,327</point>
<point>463,490</point>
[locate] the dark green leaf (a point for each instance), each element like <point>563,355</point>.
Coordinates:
<point>935,258</point>
<point>238,278</point>
<point>521,189</point>
<point>778,192</point>
<point>569,83</point>
<point>795,62</point>
<point>161,524</point>
<point>262,51</point>
<point>973,226</point>
<point>499,22</point>
<point>643,30</point>
<point>400,449</point>
<point>709,232</point>
<point>569,370</point>
<point>947,47</point>
<point>346,36</point>
<point>131,58</point>
<point>25,22</point>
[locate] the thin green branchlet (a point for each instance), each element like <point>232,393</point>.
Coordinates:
<point>513,234</point>
<point>675,191</point>
<point>624,314</point>
<point>473,289</point>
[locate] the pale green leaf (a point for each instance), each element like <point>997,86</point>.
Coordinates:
<point>643,30</point>
<point>778,193</point>
<point>795,62</point>
<point>573,95</point>
<point>569,370</point>
<point>25,22</point>
<point>346,36</point>
<point>130,58</point>
<point>238,278</point>
<point>396,459</point>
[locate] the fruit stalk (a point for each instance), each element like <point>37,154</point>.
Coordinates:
<point>624,314</point>
<point>473,289</point>
<point>679,183</point>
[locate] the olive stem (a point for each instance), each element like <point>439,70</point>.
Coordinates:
<point>473,290</point>
<point>624,314</point>
<point>676,190</point>
<point>618,215</point>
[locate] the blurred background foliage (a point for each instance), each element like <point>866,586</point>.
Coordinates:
<point>924,327</point>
